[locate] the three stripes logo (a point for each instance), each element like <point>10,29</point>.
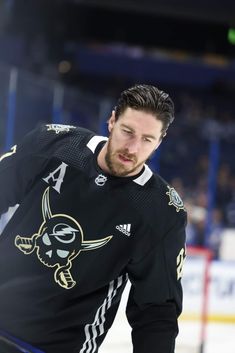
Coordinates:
<point>124,228</point>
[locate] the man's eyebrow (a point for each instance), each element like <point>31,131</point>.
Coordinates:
<point>131,129</point>
<point>127,127</point>
<point>150,137</point>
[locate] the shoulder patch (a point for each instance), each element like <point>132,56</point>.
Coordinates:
<point>175,199</point>
<point>59,128</point>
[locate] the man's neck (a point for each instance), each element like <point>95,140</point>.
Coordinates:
<point>101,159</point>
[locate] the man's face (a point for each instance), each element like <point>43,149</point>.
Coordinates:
<point>133,138</point>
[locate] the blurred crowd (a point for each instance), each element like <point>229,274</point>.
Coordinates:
<point>198,124</point>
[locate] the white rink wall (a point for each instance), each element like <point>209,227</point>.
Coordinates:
<point>221,290</point>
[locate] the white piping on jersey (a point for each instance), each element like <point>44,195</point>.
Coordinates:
<point>144,177</point>
<point>92,331</point>
<point>94,141</point>
<point>6,217</point>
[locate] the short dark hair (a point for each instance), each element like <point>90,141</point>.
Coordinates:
<point>149,99</point>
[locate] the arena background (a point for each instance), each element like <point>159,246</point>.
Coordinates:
<point>67,61</point>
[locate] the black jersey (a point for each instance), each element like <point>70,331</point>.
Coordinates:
<point>76,237</point>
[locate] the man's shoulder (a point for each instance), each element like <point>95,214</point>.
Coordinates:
<point>69,143</point>
<point>167,194</point>
<point>65,142</point>
<point>62,130</point>
<point>49,137</point>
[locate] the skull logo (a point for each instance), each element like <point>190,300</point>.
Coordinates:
<point>59,240</point>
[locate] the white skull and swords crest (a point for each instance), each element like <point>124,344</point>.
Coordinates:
<point>59,240</point>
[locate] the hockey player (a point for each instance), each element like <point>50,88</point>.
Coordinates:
<point>90,215</point>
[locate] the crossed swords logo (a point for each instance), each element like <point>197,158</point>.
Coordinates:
<point>59,240</point>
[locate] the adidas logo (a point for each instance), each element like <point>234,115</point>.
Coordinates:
<point>124,228</point>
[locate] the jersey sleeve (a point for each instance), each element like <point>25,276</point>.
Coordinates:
<point>18,168</point>
<point>155,299</point>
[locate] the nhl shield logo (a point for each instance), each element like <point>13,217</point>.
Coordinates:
<point>101,180</point>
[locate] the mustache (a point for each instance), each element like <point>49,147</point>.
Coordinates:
<point>127,155</point>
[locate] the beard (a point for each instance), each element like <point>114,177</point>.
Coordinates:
<point>115,166</point>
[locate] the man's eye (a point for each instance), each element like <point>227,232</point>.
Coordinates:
<point>147,139</point>
<point>127,131</point>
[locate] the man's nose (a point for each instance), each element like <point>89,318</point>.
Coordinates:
<point>134,146</point>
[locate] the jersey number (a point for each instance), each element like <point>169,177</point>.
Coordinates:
<point>180,262</point>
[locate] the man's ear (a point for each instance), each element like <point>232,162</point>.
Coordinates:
<point>160,141</point>
<point>111,121</point>
<point>158,145</point>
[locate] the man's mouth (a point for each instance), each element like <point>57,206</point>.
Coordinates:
<point>124,158</point>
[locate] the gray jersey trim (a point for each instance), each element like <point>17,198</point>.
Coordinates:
<point>144,177</point>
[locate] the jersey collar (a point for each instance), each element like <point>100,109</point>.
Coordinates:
<point>94,141</point>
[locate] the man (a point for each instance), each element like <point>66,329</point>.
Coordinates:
<point>91,215</point>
